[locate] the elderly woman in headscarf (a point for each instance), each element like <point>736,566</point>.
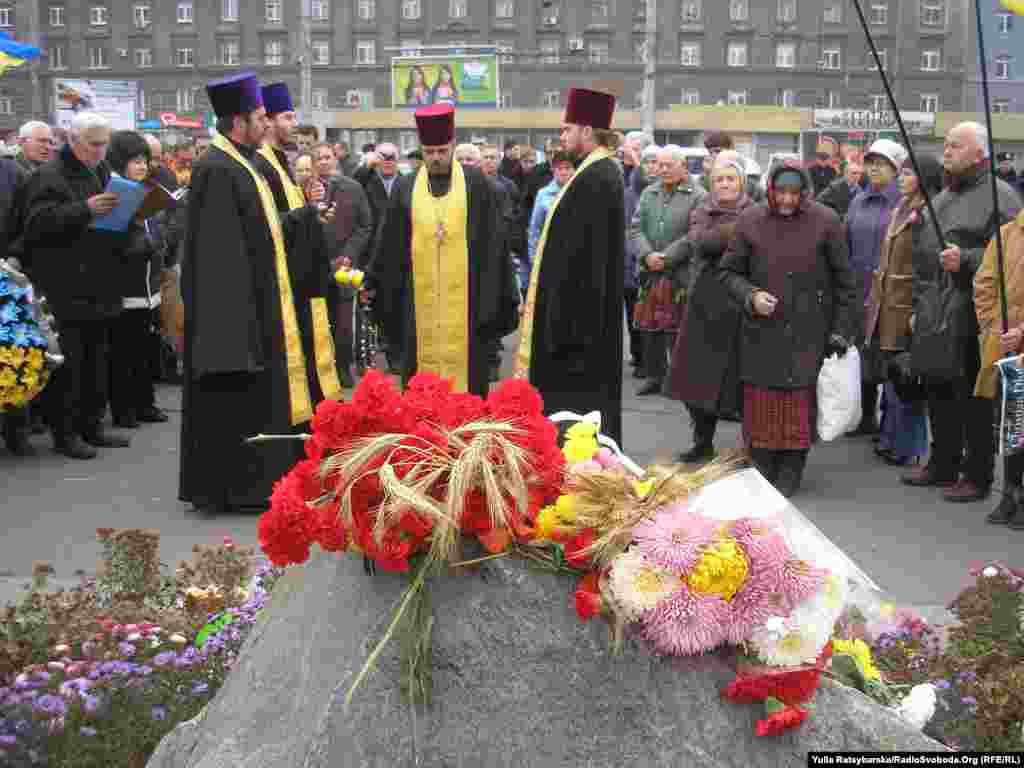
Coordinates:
<point>789,270</point>
<point>705,361</point>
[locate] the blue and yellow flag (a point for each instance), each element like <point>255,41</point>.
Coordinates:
<point>1013,6</point>
<point>13,53</point>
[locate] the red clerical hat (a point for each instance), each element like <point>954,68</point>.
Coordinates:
<point>593,108</point>
<point>436,125</point>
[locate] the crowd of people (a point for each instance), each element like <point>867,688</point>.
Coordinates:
<point>732,292</point>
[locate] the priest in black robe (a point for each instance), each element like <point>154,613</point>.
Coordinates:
<point>442,284</point>
<point>245,368</point>
<point>572,326</point>
<point>308,260</point>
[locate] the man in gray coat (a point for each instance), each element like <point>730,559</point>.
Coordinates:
<point>945,343</point>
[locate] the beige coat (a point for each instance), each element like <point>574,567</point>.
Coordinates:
<point>891,302</point>
<point>987,302</point>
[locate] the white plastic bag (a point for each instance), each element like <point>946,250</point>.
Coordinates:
<point>839,406</point>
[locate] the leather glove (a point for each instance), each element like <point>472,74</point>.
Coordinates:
<point>837,345</point>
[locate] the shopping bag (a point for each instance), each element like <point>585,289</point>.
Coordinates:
<point>1011,406</point>
<point>839,406</point>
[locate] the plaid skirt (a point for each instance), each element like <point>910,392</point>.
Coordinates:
<point>778,419</point>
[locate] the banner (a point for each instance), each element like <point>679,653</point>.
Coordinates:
<point>463,81</point>
<point>116,100</point>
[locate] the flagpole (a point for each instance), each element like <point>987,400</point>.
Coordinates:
<point>1000,262</point>
<point>899,122</point>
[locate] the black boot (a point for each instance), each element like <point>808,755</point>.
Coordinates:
<point>1009,510</point>
<point>100,438</point>
<point>652,387</point>
<point>703,438</point>
<point>15,431</point>
<point>73,447</point>
<point>791,472</point>
<point>765,461</point>
<point>869,415</point>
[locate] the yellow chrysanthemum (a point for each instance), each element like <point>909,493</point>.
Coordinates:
<point>7,356</point>
<point>859,651</point>
<point>29,378</point>
<point>581,429</point>
<point>35,359</point>
<point>8,378</point>
<point>642,488</point>
<point>721,570</point>
<point>17,356</point>
<point>558,518</point>
<point>579,449</point>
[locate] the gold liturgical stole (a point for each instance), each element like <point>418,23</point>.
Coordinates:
<point>522,370</point>
<point>301,405</point>
<point>323,339</point>
<point>440,278</point>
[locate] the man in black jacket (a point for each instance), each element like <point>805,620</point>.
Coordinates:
<point>72,265</point>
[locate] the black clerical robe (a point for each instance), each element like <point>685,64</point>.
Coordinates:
<point>493,295</point>
<point>576,338</point>
<point>236,375</point>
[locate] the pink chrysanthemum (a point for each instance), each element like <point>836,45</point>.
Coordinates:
<point>761,596</point>
<point>675,538</point>
<point>685,624</point>
<point>800,580</point>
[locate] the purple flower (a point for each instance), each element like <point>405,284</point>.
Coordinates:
<point>88,648</point>
<point>159,713</point>
<point>85,730</point>
<point>6,740</point>
<point>199,689</point>
<point>942,684</point>
<point>126,649</point>
<point>22,727</point>
<point>165,658</point>
<point>90,704</point>
<point>50,705</point>
<point>969,701</point>
<point>78,685</point>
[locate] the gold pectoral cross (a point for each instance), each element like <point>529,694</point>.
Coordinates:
<point>441,233</point>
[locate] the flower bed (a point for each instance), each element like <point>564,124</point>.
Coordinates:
<point>97,676</point>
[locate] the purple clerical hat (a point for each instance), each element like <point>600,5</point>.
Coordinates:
<point>277,99</point>
<point>235,95</point>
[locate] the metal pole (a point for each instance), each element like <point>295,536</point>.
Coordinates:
<point>1000,263</point>
<point>33,66</point>
<point>306,62</point>
<point>650,66</point>
<point>899,120</point>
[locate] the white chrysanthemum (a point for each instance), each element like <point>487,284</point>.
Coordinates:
<point>816,617</point>
<point>782,642</point>
<point>919,705</point>
<point>637,585</point>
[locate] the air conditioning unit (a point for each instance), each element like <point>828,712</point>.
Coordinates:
<point>122,52</point>
<point>576,44</point>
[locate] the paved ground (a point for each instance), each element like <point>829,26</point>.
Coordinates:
<point>910,541</point>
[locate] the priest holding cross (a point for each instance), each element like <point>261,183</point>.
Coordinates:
<point>442,284</point>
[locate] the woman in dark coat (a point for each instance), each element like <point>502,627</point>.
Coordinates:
<point>705,361</point>
<point>790,271</point>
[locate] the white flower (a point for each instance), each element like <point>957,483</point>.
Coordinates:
<point>637,586</point>
<point>785,643</point>
<point>134,637</point>
<point>815,617</point>
<point>919,705</point>
<point>990,571</point>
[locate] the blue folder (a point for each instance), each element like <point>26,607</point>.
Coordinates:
<point>132,193</point>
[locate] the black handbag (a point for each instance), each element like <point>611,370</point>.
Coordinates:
<point>909,385</point>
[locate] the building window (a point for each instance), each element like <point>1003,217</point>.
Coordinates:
<point>229,54</point>
<point>142,102</point>
<point>931,60</point>
<point>785,55</point>
<point>56,15</point>
<point>831,58</point>
<point>690,11</point>
<point>322,54</point>
<point>366,52</point>
<point>6,107</point>
<point>598,11</point>
<point>598,52</point>
<point>185,13</point>
<point>689,54</point>
<point>57,57</point>
<point>929,102</point>
<point>506,48</point>
<point>318,97</point>
<point>787,11</point>
<point>879,13</point>
<point>691,97</point>
<point>412,47</point>
<point>367,10</point>
<point>550,51</point>
<point>143,16</point>
<point>736,55</point>
<point>739,10</point>
<point>1005,23</point>
<point>6,16</point>
<point>143,58</point>
<point>737,98</point>
<point>229,10</point>
<point>835,100</point>
<point>183,57</point>
<point>1002,69</point>
<point>273,53</point>
<point>186,99</point>
<point>98,58</point>
<point>506,101</point>
<point>505,9</point>
<point>883,57</point>
<point>933,13</point>
<point>1000,106</point>
<point>411,9</point>
<point>833,12</point>
<point>552,99</point>
<point>639,51</point>
<point>320,10</point>
<point>273,11</point>
<point>408,141</point>
<point>787,98</point>
<point>458,9</point>
<point>879,103</point>
<point>98,16</point>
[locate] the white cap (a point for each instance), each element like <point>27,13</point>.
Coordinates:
<point>890,150</point>
<point>650,152</point>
